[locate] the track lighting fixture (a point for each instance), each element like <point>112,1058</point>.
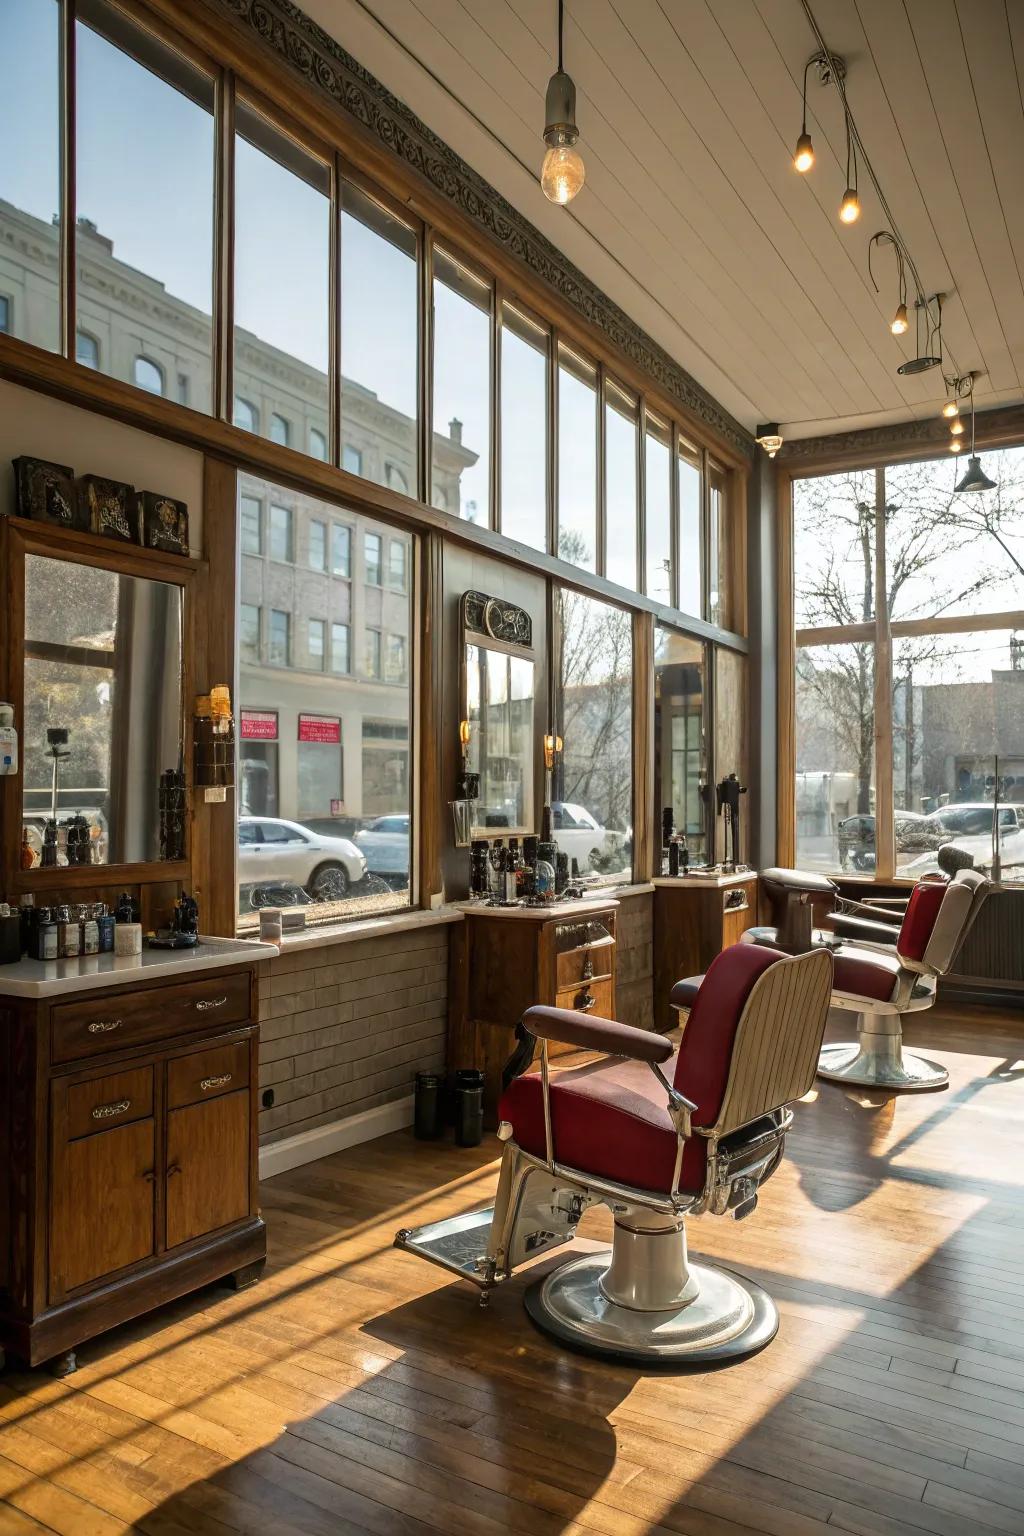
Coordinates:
<point>849,208</point>
<point>956,426</point>
<point>803,157</point>
<point>900,324</point>
<point>950,409</point>
<point>563,173</point>
<point>769,437</point>
<point>956,446</point>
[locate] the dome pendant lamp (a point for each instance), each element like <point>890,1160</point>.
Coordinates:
<point>975,478</point>
<point>563,173</point>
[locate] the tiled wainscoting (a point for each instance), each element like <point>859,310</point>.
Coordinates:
<point>345,1027</point>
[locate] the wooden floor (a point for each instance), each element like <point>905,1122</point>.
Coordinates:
<point>357,1390</point>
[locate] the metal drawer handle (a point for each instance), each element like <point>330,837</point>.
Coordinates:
<point>211,1002</point>
<point>104,1026</point>
<point>214,1082</point>
<point>108,1111</point>
<point>588,967</point>
<point>586,1002</point>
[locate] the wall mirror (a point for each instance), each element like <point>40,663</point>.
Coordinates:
<point>498,700</point>
<point>102,717</point>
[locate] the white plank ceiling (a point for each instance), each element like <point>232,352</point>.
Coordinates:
<point>692,217</point>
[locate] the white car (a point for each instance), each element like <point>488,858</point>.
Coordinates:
<point>969,826</point>
<point>276,852</point>
<point>577,833</point>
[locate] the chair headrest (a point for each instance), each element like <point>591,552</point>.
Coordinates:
<point>799,880</point>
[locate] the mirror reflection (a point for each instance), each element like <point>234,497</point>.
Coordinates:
<point>103,713</point>
<point>499,708</point>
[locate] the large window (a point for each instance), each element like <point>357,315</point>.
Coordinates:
<point>577,460</point>
<point>144,137</point>
<point>30,170</point>
<point>282,280</point>
<point>680,739</point>
<point>323,756</point>
<point>592,779</point>
<point>658,523</point>
<point>621,440</point>
<point>378,336</point>
<point>896,572</point>
<point>524,429</point>
<point>691,542</point>
<point>461,472</point>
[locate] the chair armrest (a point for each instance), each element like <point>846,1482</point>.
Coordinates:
<point>877,908</point>
<point>595,1034</point>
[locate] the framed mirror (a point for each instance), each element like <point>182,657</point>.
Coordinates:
<point>498,699</point>
<point>96,673</point>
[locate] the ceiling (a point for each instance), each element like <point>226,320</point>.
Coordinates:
<point>692,217</point>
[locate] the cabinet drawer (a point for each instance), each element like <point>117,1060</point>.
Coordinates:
<point>103,1102</point>
<point>135,1018</point>
<point>597,997</point>
<point>591,962</point>
<point>207,1074</point>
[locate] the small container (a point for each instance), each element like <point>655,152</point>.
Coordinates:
<point>90,931</point>
<point>106,924</point>
<point>128,939</point>
<point>271,925</point>
<point>10,935</point>
<point>469,1107</point>
<point>69,934</point>
<point>46,935</point>
<point>27,917</point>
<point>427,1120</point>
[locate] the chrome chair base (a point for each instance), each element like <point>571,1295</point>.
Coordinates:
<point>861,1065</point>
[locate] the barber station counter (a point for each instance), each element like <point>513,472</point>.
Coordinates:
<point>695,918</point>
<point>506,959</point>
<point>128,1102</point>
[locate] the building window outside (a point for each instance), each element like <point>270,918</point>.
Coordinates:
<point>372,558</point>
<point>316,644</point>
<point>282,534</point>
<point>317,445</point>
<point>373,653</point>
<point>317,545</point>
<point>340,648</point>
<point>323,752</point>
<point>592,791</point>
<point>249,632</point>
<point>341,550</point>
<point>280,638</point>
<point>352,459</point>
<point>397,667</point>
<point>395,478</point>
<point>251,522</point>
<point>246,415</point>
<point>87,348</point>
<point>948,569</point>
<point>148,375</point>
<point>397,575</point>
<point>280,429</point>
<point>6,315</point>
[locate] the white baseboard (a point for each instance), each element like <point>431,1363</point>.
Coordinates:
<point>322,1140</point>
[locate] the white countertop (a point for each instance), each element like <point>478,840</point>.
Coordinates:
<point>559,909</point>
<point>709,882</point>
<point>49,978</point>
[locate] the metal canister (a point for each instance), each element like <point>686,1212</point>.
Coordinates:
<point>469,1107</point>
<point>427,1119</point>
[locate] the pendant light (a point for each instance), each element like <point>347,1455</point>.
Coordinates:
<point>849,208</point>
<point>950,409</point>
<point>769,437</point>
<point>975,478</point>
<point>803,156</point>
<point>563,172</point>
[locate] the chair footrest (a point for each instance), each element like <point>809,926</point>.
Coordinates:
<point>458,1243</point>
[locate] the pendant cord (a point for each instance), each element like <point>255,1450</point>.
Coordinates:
<point>561,19</point>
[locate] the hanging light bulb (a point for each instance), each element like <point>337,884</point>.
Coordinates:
<point>803,159</point>
<point>900,324</point>
<point>950,409</point>
<point>956,426</point>
<point>956,446</point>
<point>562,173</point>
<point>849,208</point>
<point>769,437</point>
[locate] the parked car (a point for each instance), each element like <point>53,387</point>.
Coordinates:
<point>384,845</point>
<point>272,851</point>
<point>578,833</point>
<point>857,838</point>
<point>969,826</point>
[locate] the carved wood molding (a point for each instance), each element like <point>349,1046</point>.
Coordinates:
<point>900,437</point>
<point>303,47</point>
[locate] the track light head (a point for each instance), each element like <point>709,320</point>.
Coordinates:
<point>769,437</point>
<point>900,324</point>
<point>849,208</point>
<point>803,157</point>
<point>956,427</point>
<point>950,409</point>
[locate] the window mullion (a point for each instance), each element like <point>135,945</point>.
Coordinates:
<point>885,834</point>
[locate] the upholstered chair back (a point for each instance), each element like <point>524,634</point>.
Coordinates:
<point>937,919</point>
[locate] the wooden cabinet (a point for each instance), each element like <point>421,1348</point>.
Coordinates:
<point>694,920</point>
<point>504,960</point>
<point>130,1140</point>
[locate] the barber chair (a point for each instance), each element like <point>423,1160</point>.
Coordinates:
<point>881,981</point>
<point>656,1140</point>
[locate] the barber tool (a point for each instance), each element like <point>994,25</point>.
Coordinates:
<point>728,793</point>
<point>478,868</point>
<point>183,932</point>
<point>128,909</point>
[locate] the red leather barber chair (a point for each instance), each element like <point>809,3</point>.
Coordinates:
<point>656,1136</point>
<point>881,982</point>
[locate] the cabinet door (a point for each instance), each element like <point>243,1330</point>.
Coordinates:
<point>208,1167</point>
<point>103,1205</point>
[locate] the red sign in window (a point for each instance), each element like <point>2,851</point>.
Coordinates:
<point>320,728</point>
<point>259,724</point>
